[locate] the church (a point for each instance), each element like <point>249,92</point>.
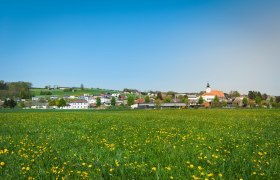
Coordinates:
<point>210,94</point>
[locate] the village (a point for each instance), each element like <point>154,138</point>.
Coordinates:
<point>134,99</point>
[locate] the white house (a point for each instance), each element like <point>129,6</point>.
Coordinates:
<point>91,100</point>
<point>79,104</point>
<point>209,95</point>
<point>193,99</point>
<point>115,95</point>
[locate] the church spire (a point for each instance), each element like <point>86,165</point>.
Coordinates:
<point>208,89</point>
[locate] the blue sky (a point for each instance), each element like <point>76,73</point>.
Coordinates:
<point>146,45</point>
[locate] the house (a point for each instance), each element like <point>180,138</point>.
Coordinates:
<point>39,105</point>
<point>36,98</point>
<point>115,95</point>
<point>139,101</point>
<point>52,97</point>
<point>238,101</point>
<point>78,104</point>
<point>210,94</point>
<point>193,99</point>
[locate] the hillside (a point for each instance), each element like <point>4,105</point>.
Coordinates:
<point>75,92</point>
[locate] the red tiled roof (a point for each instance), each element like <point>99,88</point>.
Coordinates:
<point>215,93</point>
<point>139,101</point>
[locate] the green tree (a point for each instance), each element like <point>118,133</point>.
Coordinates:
<point>159,96</point>
<point>234,94</point>
<point>271,100</point>
<point>82,87</point>
<point>185,100</point>
<point>52,103</point>
<point>130,100</point>
<point>98,101</point>
<point>224,103</point>
<point>245,102</point>
<point>61,102</point>
<point>9,103</point>
<point>215,102</point>
<point>147,99</point>
<point>264,96</point>
<point>258,100</point>
<point>171,93</point>
<point>113,101</point>
<point>167,99</point>
<point>158,103</point>
<point>200,100</point>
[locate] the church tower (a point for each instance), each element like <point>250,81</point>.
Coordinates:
<point>208,89</point>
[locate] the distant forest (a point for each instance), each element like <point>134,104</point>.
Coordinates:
<point>15,90</point>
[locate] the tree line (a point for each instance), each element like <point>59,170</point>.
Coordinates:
<point>15,90</point>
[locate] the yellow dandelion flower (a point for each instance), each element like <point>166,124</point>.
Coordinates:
<point>2,163</point>
<point>194,177</point>
<point>90,166</point>
<point>254,172</point>
<point>27,168</point>
<point>210,174</point>
<point>191,166</point>
<point>111,170</point>
<point>220,175</point>
<point>199,168</point>
<point>83,164</point>
<point>168,168</point>
<point>171,177</point>
<point>154,168</point>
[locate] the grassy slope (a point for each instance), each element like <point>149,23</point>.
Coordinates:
<point>61,93</point>
<point>141,144</point>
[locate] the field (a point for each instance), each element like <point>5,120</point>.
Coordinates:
<point>78,92</point>
<point>148,144</point>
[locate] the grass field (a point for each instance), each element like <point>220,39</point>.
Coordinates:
<point>148,144</point>
<point>78,92</point>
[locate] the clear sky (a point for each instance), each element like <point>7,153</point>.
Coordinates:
<point>143,44</point>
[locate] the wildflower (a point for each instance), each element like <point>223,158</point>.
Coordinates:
<point>191,166</point>
<point>168,168</point>
<point>2,163</point>
<point>83,164</point>
<point>154,168</point>
<point>117,163</point>
<point>199,168</point>
<point>220,175</point>
<point>111,170</point>
<point>210,174</point>
<point>90,166</point>
<point>27,168</point>
<point>194,177</point>
<point>254,172</point>
<point>171,177</point>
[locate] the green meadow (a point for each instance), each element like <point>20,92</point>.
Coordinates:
<point>144,144</point>
<point>77,92</point>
